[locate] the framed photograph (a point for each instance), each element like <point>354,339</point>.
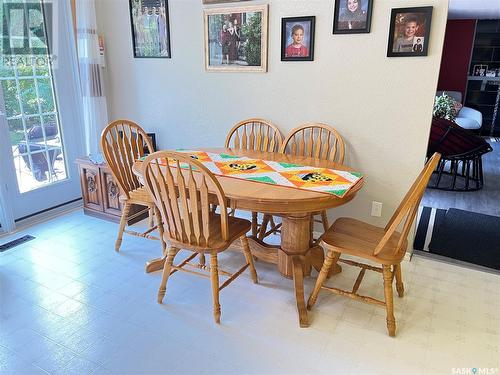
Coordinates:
<point>150,28</point>
<point>297,38</point>
<point>236,39</point>
<point>480,70</point>
<point>220,1</point>
<point>409,32</point>
<point>352,16</point>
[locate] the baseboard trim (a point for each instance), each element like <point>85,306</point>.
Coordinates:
<point>45,215</point>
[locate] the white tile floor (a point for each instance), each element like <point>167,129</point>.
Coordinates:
<point>70,304</point>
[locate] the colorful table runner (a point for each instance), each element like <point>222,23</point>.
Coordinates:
<point>323,180</point>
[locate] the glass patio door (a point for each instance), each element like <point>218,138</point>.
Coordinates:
<point>39,107</point>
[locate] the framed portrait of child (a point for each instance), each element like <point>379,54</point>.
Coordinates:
<point>297,38</point>
<point>410,31</point>
<point>352,16</point>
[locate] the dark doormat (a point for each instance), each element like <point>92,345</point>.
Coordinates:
<point>468,236</point>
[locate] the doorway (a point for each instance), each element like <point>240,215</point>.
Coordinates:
<point>39,122</point>
<point>460,213</point>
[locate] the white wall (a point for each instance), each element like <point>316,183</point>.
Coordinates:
<point>382,106</point>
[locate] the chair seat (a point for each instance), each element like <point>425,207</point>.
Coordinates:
<point>139,196</point>
<point>355,237</point>
<point>237,227</point>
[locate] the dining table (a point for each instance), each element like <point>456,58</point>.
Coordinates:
<point>297,252</point>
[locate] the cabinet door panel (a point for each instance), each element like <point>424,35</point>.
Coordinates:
<point>91,187</point>
<point>111,194</point>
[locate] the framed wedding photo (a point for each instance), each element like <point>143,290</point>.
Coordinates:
<point>297,38</point>
<point>150,28</point>
<point>409,33</point>
<point>352,16</point>
<point>236,39</point>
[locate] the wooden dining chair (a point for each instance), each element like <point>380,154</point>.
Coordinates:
<point>315,140</point>
<point>383,246</point>
<point>183,190</point>
<point>258,135</point>
<point>122,143</point>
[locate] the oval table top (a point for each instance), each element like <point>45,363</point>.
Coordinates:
<point>268,198</point>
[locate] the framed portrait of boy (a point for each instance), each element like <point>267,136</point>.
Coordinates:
<point>409,33</point>
<point>297,38</point>
<point>150,28</point>
<point>236,39</point>
<point>352,16</point>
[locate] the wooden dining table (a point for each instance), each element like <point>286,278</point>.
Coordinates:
<point>297,251</point>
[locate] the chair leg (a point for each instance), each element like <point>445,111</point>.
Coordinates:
<point>254,224</point>
<point>263,226</point>
<point>324,220</point>
<point>151,222</point>
<point>389,303</point>
<point>166,273</point>
<point>123,222</point>
<point>159,222</point>
<point>399,280</point>
<point>331,258</point>
<point>214,277</point>
<point>201,260</point>
<point>249,258</point>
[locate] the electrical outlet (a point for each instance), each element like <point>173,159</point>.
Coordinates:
<point>376,209</point>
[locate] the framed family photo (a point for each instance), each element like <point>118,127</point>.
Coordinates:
<point>352,16</point>
<point>297,38</point>
<point>150,28</point>
<point>410,31</point>
<point>236,39</point>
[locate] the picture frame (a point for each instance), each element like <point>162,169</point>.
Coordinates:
<point>409,32</point>
<point>235,39</point>
<point>480,70</point>
<point>352,16</point>
<point>150,26</point>
<point>297,38</point>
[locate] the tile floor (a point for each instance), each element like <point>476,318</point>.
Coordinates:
<point>70,305</point>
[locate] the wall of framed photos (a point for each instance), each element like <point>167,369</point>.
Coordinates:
<point>381,105</point>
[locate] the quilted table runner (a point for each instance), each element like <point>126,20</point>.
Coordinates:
<point>297,176</point>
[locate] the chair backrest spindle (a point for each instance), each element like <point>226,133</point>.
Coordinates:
<point>315,140</point>
<point>254,134</point>
<point>180,187</point>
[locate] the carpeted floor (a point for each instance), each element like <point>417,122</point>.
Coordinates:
<point>463,235</point>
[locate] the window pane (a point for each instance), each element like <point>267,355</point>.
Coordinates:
<point>42,69</point>
<point>16,131</point>
<point>45,95</point>
<point>10,98</point>
<point>6,70</point>
<point>28,96</point>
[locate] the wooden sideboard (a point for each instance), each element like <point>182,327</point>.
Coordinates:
<point>101,193</point>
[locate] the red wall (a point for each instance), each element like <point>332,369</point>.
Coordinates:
<point>457,49</point>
